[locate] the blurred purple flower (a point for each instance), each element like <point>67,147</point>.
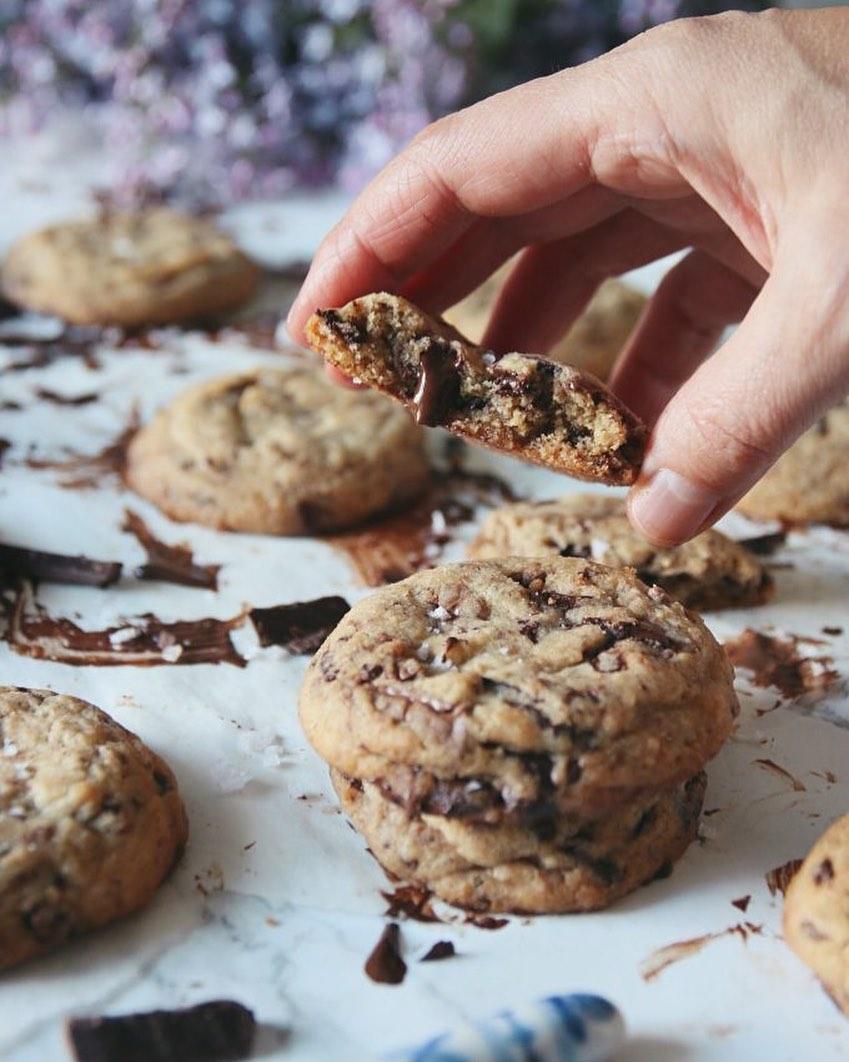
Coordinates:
<point>214,100</point>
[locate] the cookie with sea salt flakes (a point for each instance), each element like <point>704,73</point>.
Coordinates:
<point>537,410</point>
<point>278,452</point>
<point>90,821</point>
<point>554,681</point>
<point>129,269</point>
<point>710,571</point>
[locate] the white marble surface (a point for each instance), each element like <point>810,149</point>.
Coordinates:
<point>276,902</point>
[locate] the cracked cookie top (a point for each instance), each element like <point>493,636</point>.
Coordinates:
<point>543,412</point>
<point>553,679</point>
<point>280,451</point>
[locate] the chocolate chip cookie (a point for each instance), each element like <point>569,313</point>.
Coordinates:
<point>816,917</point>
<point>538,696</point>
<point>540,411</point>
<point>709,572</point>
<point>489,868</point>
<point>277,451</point>
<point>90,821</point>
<point>151,267</point>
<point>810,482</point>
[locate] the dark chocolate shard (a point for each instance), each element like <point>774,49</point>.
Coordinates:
<point>18,562</point>
<point>57,399</point>
<point>218,1031</point>
<point>300,627</point>
<point>385,964</point>
<point>442,949</point>
<point>168,564</point>
<point>411,901</point>
<point>764,545</point>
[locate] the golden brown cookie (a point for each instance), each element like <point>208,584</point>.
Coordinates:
<point>277,451</point>
<point>90,821</point>
<point>539,411</point>
<point>489,869</point>
<point>709,572</point>
<point>810,482</point>
<point>151,267</point>
<point>816,911</point>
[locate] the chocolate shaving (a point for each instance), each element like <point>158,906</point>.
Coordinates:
<point>17,562</point>
<point>385,964</point>
<point>411,901</point>
<point>218,1031</point>
<point>832,632</point>
<point>779,878</point>
<point>742,904</point>
<point>392,547</point>
<point>84,471</point>
<point>781,772</point>
<point>169,564</point>
<point>140,641</point>
<point>483,921</point>
<point>300,627</point>
<point>442,949</point>
<point>764,545</point>
<point>776,662</point>
<point>46,395</point>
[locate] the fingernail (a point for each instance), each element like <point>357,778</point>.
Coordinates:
<point>670,509</point>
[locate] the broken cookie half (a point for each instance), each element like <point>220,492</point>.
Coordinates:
<point>542,412</point>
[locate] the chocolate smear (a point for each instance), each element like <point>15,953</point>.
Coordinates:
<point>168,564</point>
<point>85,471</point>
<point>664,957</point>
<point>411,901</point>
<point>74,341</point>
<point>781,772</point>
<point>385,964</point>
<point>5,444</point>
<point>390,548</point>
<point>218,1031</point>
<point>46,395</point>
<point>776,662</point>
<point>140,641</point>
<point>17,562</point>
<point>742,904</point>
<point>442,949</point>
<point>300,627</point>
<point>764,545</point>
<point>779,878</point>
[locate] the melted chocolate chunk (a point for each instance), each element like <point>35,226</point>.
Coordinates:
<point>140,641</point>
<point>385,964</point>
<point>442,949</point>
<point>218,1031</point>
<point>352,332</point>
<point>17,562</point>
<point>300,627</point>
<point>437,393</point>
<point>168,564</point>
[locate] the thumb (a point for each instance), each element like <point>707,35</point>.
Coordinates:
<point>783,367</point>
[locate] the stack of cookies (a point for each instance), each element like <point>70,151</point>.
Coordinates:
<point>523,734</point>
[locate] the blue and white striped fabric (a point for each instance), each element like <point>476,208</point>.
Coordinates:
<point>569,1028</point>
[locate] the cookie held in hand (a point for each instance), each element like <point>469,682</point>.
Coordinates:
<point>535,409</point>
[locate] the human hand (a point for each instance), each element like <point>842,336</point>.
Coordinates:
<point>726,135</point>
